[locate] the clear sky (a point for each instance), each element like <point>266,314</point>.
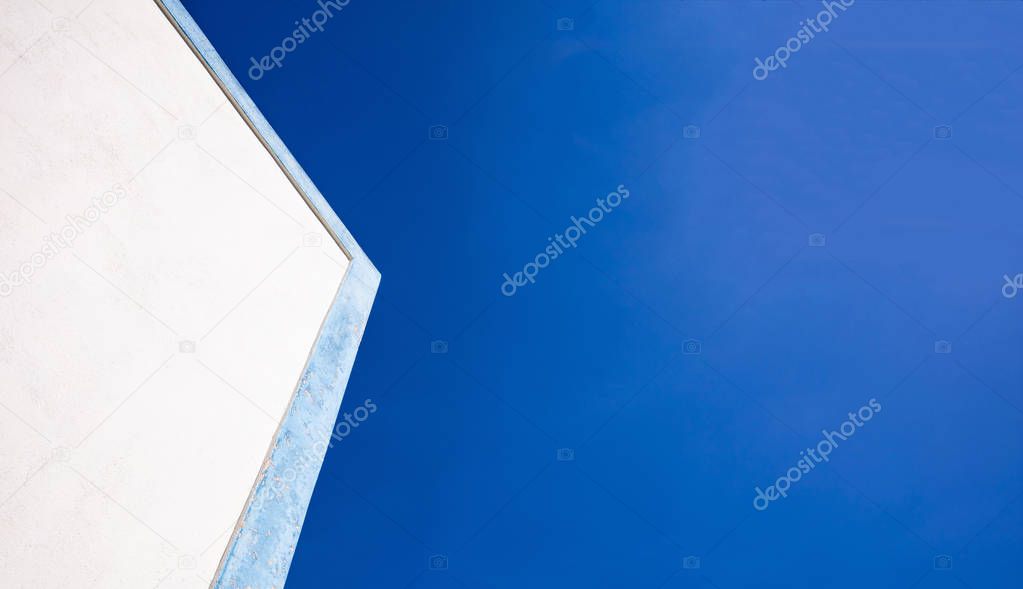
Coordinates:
<point>697,338</point>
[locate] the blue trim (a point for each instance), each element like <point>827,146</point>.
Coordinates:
<point>260,550</point>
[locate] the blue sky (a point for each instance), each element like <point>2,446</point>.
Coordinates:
<point>711,247</point>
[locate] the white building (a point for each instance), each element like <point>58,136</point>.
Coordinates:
<point>179,309</point>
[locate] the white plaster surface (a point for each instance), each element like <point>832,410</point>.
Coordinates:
<point>124,460</point>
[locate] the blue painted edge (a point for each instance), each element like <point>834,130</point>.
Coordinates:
<point>263,543</point>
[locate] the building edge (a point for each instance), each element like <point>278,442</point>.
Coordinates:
<point>262,545</point>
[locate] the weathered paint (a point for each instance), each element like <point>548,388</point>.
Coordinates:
<point>259,553</point>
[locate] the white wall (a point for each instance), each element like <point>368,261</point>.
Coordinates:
<point>125,458</point>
